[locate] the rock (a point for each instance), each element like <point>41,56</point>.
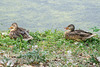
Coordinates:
<point>98,58</point>
<point>27,65</point>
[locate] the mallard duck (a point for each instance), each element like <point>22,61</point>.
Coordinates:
<point>78,35</point>
<point>16,32</point>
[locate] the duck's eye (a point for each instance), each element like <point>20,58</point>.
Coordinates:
<point>71,26</point>
<point>14,25</point>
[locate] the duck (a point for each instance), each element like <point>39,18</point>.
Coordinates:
<point>78,35</point>
<point>16,32</point>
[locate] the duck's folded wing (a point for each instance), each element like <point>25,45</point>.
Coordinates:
<point>22,29</point>
<point>20,33</point>
<point>82,33</point>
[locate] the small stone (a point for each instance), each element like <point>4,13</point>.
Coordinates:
<point>98,59</point>
<point>93,63</point>
<point>27,65</point>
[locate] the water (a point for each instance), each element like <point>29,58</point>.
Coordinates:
<point>40,15</point>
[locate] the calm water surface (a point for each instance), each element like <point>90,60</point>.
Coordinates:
<point>40,15</point>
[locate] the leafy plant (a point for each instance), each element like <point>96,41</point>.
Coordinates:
<point>95,29</point>
<point>35,56</point>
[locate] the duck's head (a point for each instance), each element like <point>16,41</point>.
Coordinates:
<point>70,27</point>
<point>14,27</point>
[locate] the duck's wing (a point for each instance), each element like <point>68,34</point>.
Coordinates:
<point>82,33</point>
<point>79,35</point>
<point>22,29</point>
<point>26,35</point>
<point>23,32</point>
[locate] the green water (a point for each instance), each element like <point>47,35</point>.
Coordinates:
<point>40,15</point>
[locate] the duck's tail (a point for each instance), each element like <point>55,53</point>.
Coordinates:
<point>29,36</point>
<point>85,38</point>
<point>91,36</point>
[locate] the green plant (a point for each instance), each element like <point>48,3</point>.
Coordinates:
<point>35,56</point>
<point>95,29</point>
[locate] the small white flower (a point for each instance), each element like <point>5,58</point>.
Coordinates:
<point>67,62</point>
<point>36,46</point>
<point>20,51</point>
<point>76,43</point>
<point>69,52</point>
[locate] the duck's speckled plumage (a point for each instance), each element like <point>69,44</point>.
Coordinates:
<point>16,32</point>
<point>77,34</point>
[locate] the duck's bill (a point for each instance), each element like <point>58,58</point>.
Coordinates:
<point>66,28</point>
<point>11,27</point>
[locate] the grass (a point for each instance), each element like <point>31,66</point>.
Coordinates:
<point>51,49</point>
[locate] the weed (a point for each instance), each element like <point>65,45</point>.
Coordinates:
<point>95,29</point>
<point>35,56</point>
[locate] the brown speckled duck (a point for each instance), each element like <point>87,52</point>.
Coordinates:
<point>77,35</point>
<point>16,32</point>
